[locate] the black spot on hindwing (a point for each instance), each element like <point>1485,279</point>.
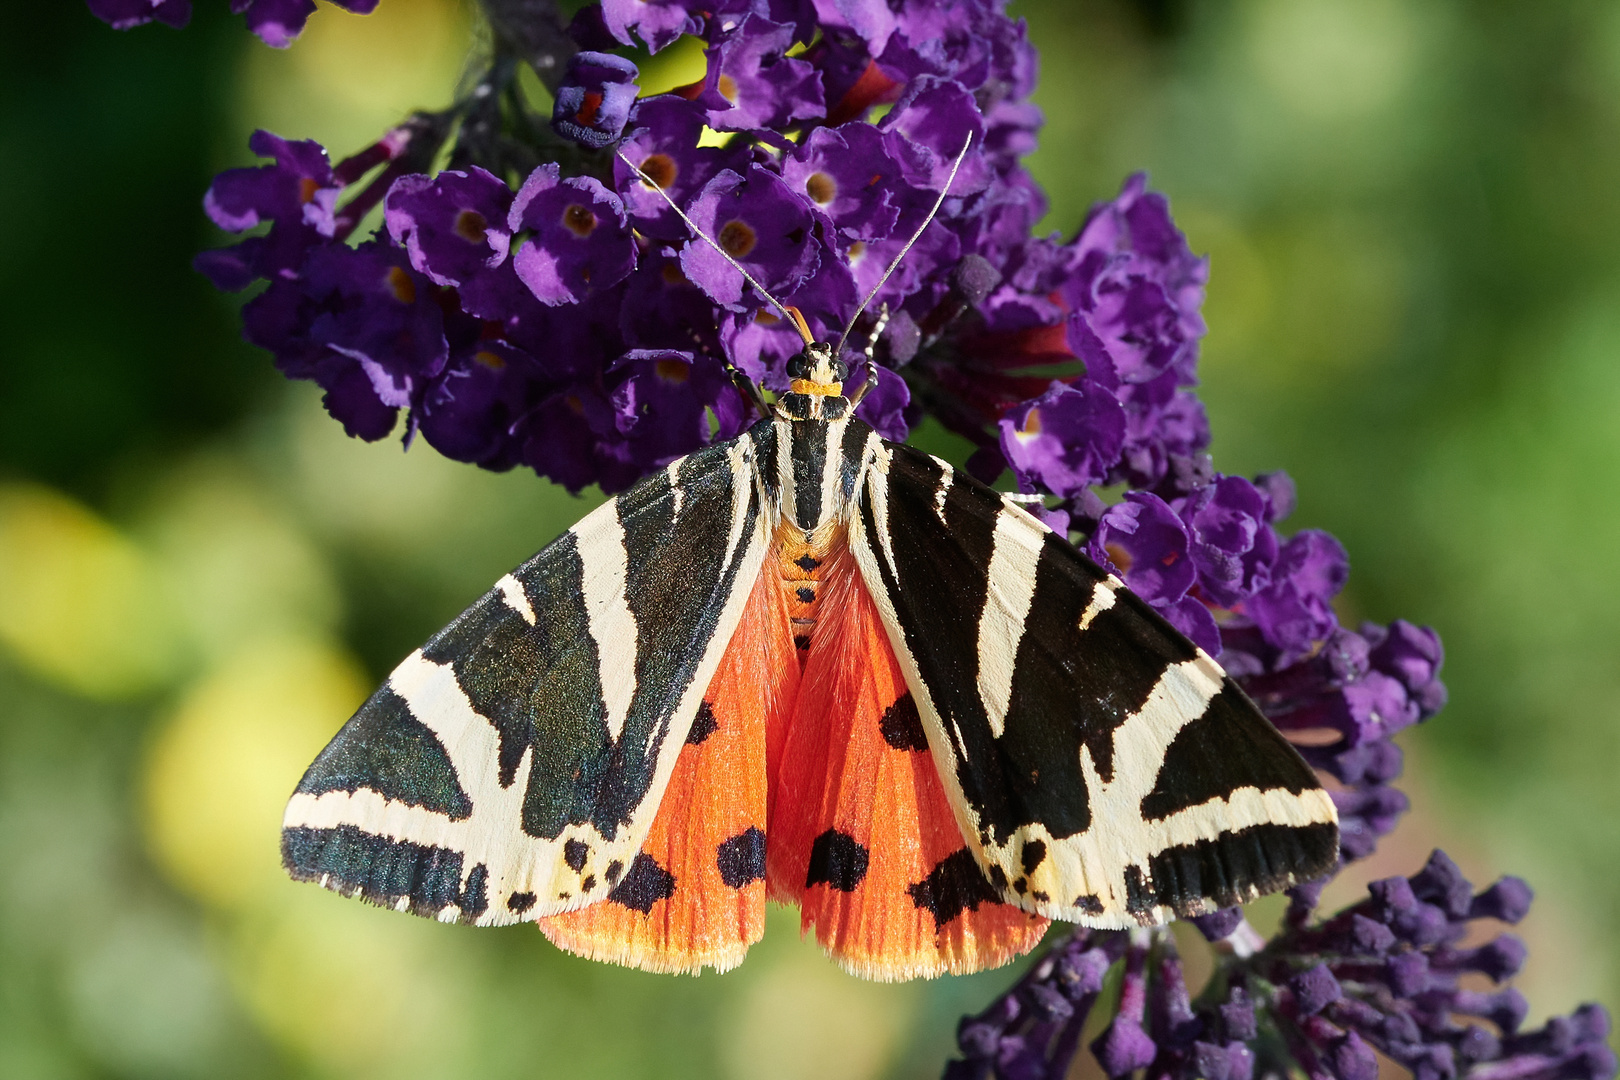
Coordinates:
<point>837,860</point>
<point>645,885</point>
<point>955,885</point>
<point>703,725</point>
<point>741,859</point>
<point>901,725</point>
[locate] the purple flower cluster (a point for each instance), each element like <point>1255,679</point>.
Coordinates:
<point>276,22</point>
<point>563,317</point>
<point>1385,974</point>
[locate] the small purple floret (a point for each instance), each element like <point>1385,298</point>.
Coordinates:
<point>579,240</point>
<point>595,99</point>
<point>125,14</point>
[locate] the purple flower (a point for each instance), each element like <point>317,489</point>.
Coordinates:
<point>452,226</point>
<point>870,20</point>
<point>1412,655</point>
<point>1233,546</point>
<point>657,22</point>
<point>579,239</point>
<point>297,194</point>
<point>124,14</point>
<point>1064,440</point>
<point>662,400</point>
<point>663,144</point>
<point>1135,289</point>
<point>568,437</point>
<point>1149,545</point>
<point>884,408</point>
<point>662,309</point>
<point>468,413</point>
<point>376,311</point>
<point>752,84</point>
<point>1146,543</point>
<point>594,101</point>
<point>1382,975</point>
<point>279,22</point>
<point>849,173</point>
<point>1295,611</point>
<point>757,220</point>
<point>935,119</point>
<point>276,22</point>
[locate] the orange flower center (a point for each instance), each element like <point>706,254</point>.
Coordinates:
<point>471,226</point>
<point>579,220</point>
<point>737,238</point>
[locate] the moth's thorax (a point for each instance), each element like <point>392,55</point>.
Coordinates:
<point>815,479</point>
<point>795,405</point>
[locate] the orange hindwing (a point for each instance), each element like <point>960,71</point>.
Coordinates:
<point>862,837</point>
<point>695,895</point>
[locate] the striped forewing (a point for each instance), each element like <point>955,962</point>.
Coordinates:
<point>1103,768</point>
<point>511,767</point>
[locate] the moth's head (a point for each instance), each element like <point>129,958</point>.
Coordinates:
<point>816,387</point>
<point>817,367</point>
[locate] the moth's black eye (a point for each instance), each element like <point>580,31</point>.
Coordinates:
<point>798,367</point>
<point>840,370</point>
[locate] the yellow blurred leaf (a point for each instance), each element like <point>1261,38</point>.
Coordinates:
<point>236,565</point>
<point>351,77</point>
<point>80,604</point>
<point>219,773</point>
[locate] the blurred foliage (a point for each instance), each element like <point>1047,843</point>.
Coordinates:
<point>1413,211</point>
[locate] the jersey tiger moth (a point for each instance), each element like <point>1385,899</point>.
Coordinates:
<point>814,666</point>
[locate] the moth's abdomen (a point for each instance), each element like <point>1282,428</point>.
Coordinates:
<point>801,564</point>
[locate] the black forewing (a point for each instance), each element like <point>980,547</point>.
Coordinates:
<point>493,743</point>
<point>1178,757</point>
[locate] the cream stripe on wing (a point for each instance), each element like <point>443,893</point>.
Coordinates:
<point>1014,556</point>
<point>511,590</point>
<point>947,477</point>
<point>832,487</point>
<point>789,501</point>
<point>1102,598</point>
<point>604,569</point>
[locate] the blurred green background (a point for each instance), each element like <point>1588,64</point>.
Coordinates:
<point>1413,210</point>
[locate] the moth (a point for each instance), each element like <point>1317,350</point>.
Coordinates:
<point>813,666</point>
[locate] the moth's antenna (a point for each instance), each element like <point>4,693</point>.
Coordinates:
<point>791,314</point>
<point>957,164</point>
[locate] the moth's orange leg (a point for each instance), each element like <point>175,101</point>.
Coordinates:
<point>862,836</point>
<point>695,895</point>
